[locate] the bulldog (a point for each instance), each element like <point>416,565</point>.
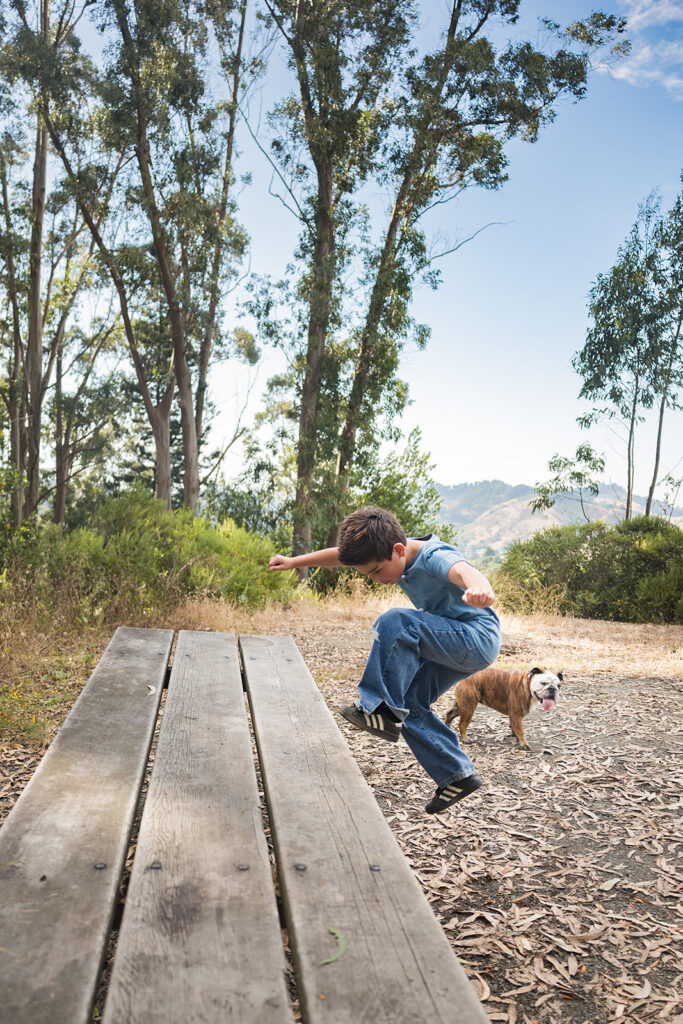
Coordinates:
<point>511,693</point>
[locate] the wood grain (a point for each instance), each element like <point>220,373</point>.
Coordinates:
<point>341,868</point>
<point>63,847</point>
<point>200,939</point>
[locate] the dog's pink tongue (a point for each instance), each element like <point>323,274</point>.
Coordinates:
<point>548,704</point>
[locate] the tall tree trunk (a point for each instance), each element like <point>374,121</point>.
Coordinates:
<point>17,416</point>
<point>363,368</point>
<point>320,302</point>
<point>182,369</point>
<point>210,333</point>
<point>161,428</point>
<point>364,360</point>
<point>423,157</point>
<point>16,384</point>
<point>630,457</point>
<point>318,323</point>
<point>662,407</point>
<point>61,474</point>
<point>168,276</point>
<point>34,346</point>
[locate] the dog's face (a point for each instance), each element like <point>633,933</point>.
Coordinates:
<point>545,686</point>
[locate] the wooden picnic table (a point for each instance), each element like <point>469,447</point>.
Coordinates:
<point>201,937</point>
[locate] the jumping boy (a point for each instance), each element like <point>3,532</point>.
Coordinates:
<point>418,653</point>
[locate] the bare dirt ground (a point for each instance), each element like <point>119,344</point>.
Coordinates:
<point>559,884</point>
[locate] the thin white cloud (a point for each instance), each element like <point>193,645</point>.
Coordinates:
<point>647,66</point>
<point>655,28</point>
<point>649,13</point>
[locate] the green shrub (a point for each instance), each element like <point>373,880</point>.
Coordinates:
<point>136,556</point>
<point>632,572</point>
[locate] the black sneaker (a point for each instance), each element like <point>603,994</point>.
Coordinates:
<point>453,792</point>
<point>378,722</point>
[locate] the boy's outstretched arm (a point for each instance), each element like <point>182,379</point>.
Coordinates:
<point>327,558</point>
<point>478,590</point>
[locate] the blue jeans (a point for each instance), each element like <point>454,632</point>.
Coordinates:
<point>416,657</point>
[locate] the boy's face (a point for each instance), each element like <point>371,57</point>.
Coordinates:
<point>386,570</point>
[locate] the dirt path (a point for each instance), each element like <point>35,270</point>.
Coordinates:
<point>559,884</point>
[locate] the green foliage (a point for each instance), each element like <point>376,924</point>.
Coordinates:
<point>137,558</point>
<point>632,572</point>
<point>570,474</point>
<point>633,355</point>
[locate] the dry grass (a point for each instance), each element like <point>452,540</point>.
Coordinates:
<point>573,645</point>
<point>43,668</point>
<point>583,645</point>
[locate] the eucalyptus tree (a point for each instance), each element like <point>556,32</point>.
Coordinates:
<point>150,112</point>
<point>91,172</point>
<point>47,255</point>
<point>344,57</point>
<point>629,355</point>
<point>457,108</point>
<point>160,108</point>
<point>370,110</point>
<point>667,367</point>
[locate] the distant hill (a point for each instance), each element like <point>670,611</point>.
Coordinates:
<point>490,514</point>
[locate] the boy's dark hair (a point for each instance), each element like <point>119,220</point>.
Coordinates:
<point>368,534</point>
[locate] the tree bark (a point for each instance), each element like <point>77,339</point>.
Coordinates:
<point>15,397</point>
<point>34,344</point>
<point>630,457</point>
<point>161,428</point>
<point>62,470</point>
<point>319,316</point>
<point>168,278</point>
<point>662,407</point>
<point>210,333</point>
<point>421,159</point>
<point>363,367</point>
<point>320,300</point>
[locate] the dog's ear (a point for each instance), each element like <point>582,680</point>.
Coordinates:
<point>536,672</point>
<point>560,676</point>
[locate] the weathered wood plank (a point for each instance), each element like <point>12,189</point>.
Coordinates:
<point>64,845</point>
<point>340,866</point>
<point>200,938</point>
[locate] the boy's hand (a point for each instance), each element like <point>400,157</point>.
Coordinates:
<point>281,562</point>
<point>479,597</point>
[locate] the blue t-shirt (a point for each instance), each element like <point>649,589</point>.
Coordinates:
<point>426,582</point>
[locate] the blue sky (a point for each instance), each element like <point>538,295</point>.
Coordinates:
<point>494,393</point>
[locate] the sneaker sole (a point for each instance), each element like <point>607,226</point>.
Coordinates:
<point>357,719</point>
<point>444,801</point>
